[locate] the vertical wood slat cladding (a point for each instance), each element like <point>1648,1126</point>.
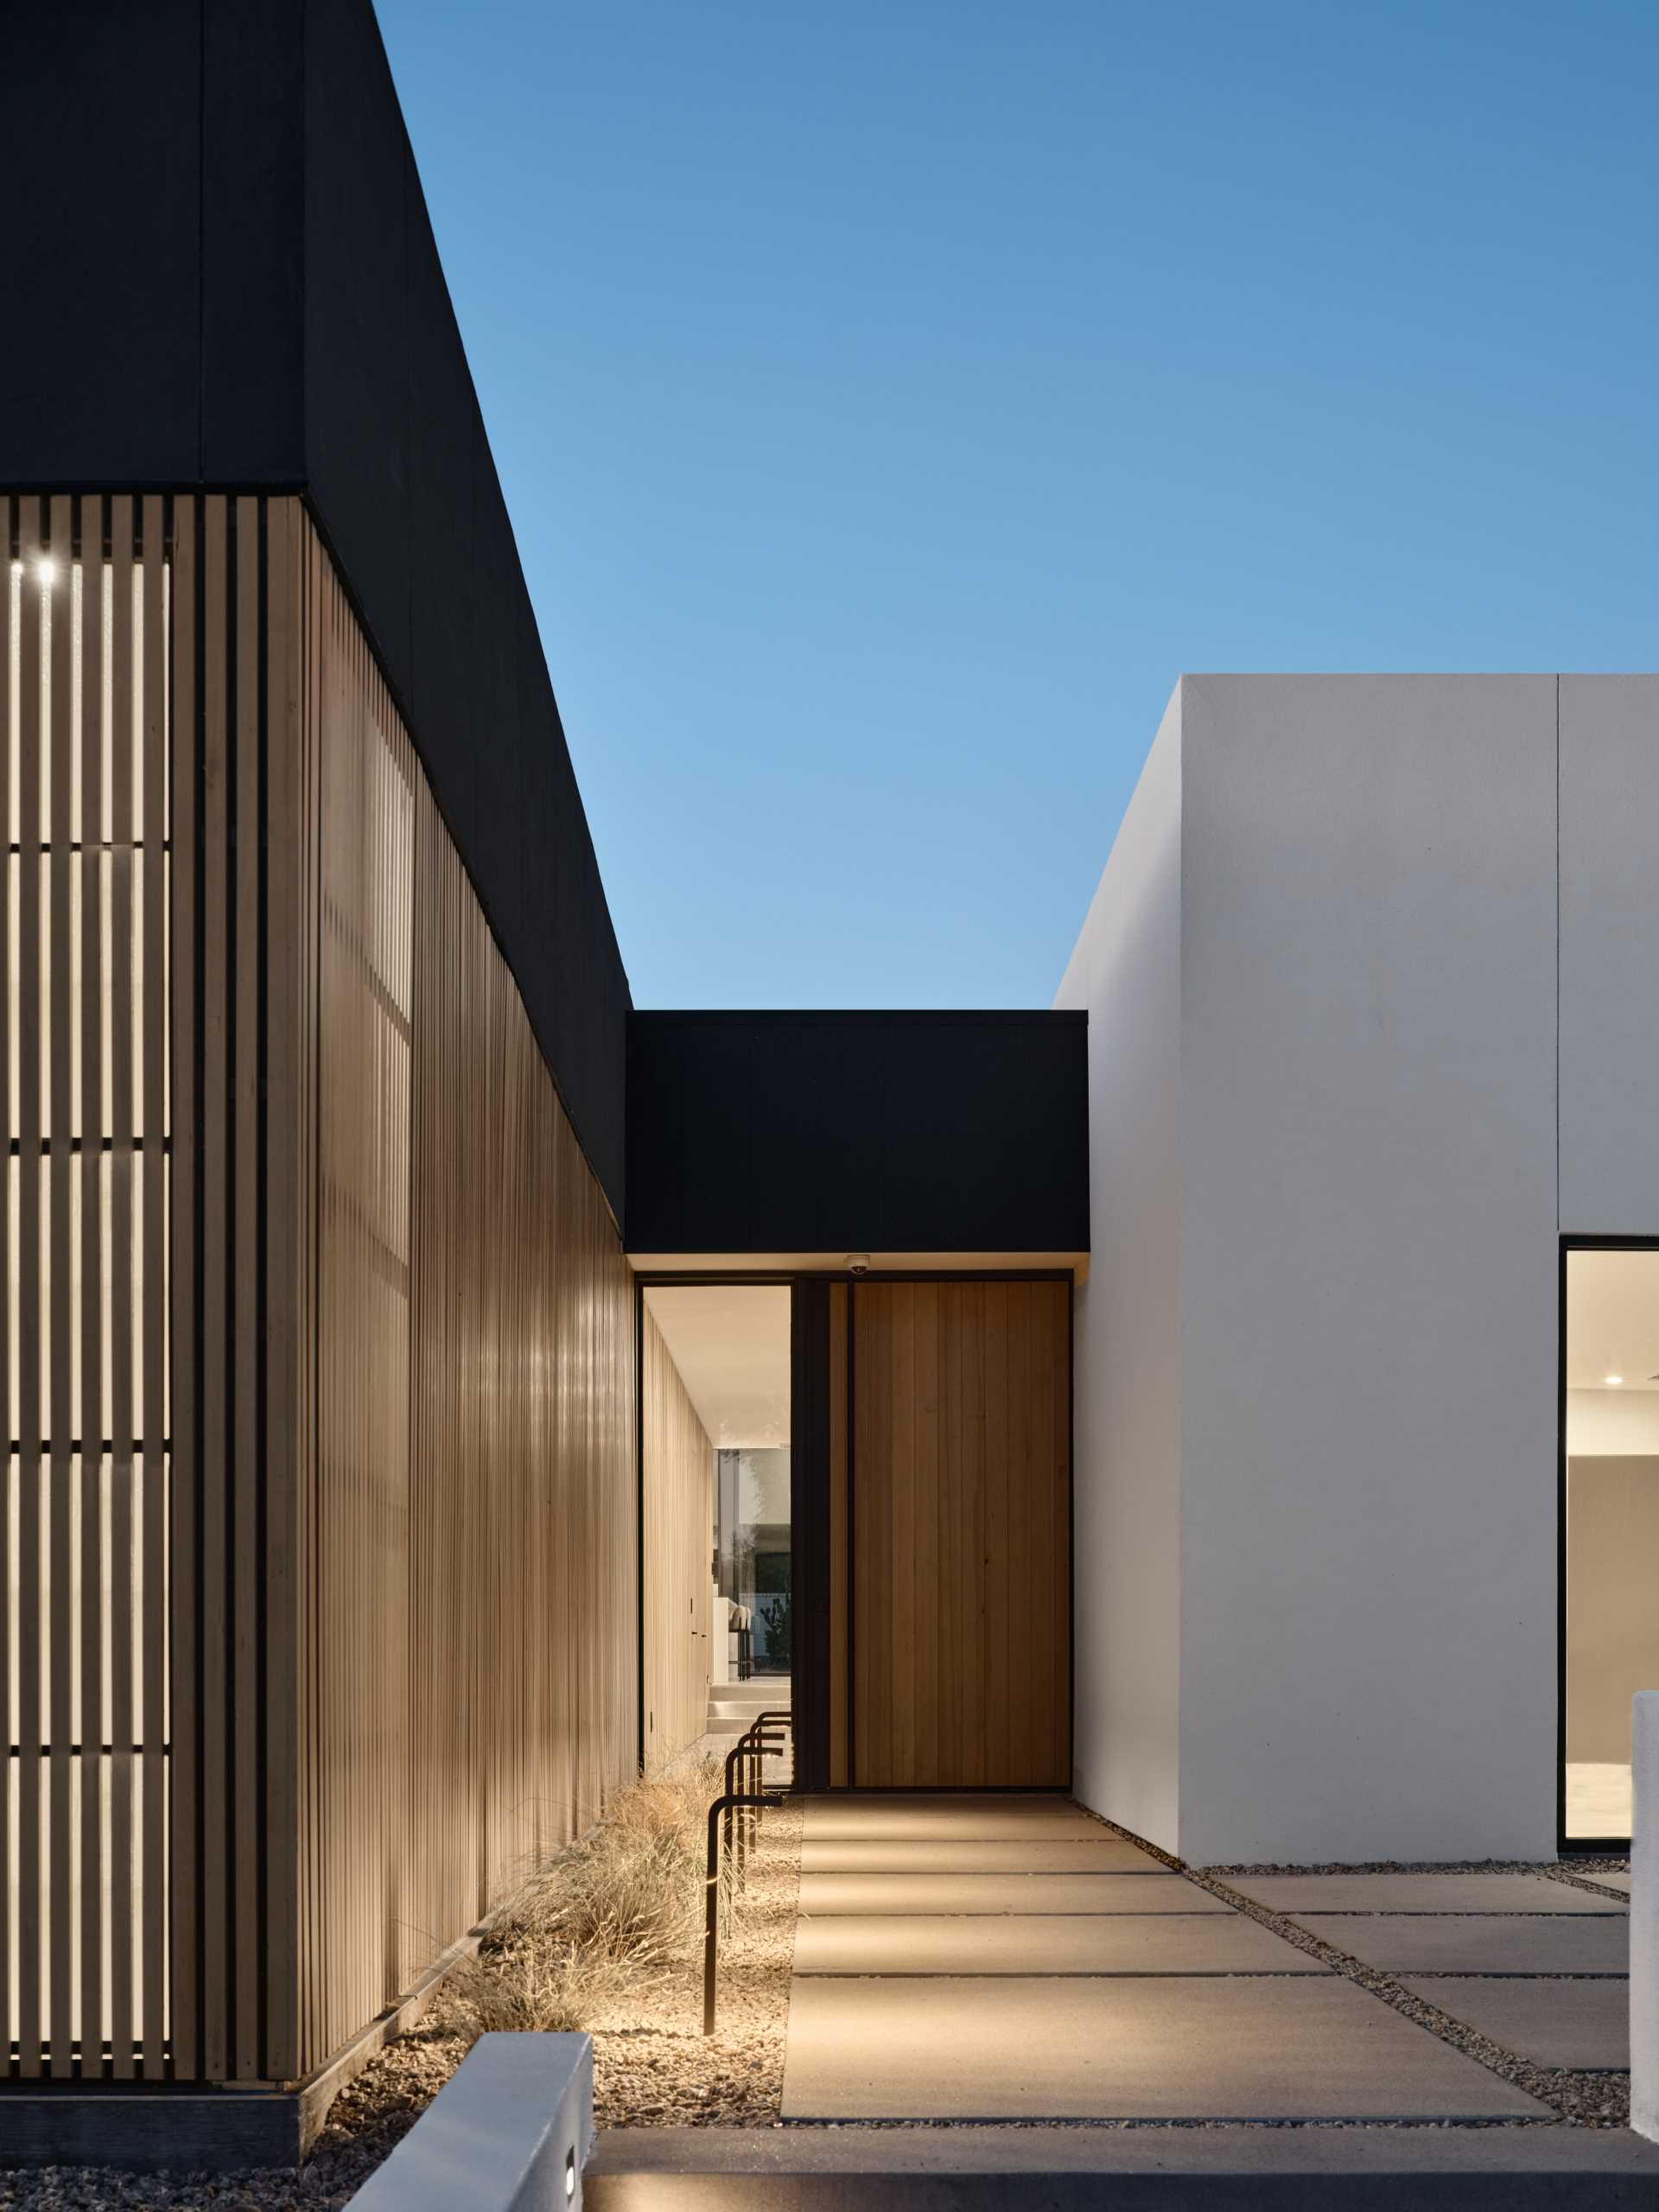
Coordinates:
<point>235,1211</point>
<point>84,728</point>
<point>839,1584</point>
<point>466,1571</point>
<point>316,1559</point>
<point>678,1469</point>
<point>961,1548</point>
<point>356,1547</point>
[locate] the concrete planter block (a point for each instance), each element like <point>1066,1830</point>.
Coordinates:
<point>510,2133</point>
<point>1645,1915</point>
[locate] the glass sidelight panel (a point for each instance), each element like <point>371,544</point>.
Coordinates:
<point>719,1608</point>
<point>1613,1528</point>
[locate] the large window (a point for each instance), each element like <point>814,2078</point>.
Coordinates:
<point>1613,1528</point>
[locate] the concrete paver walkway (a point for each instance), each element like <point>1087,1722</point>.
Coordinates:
<point>1455,1943</point>
<point>940,1976</point>
<point>1554,2023</point>
<point>1306,1894</point>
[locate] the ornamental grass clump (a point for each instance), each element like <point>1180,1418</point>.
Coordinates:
<point>617,1914</point>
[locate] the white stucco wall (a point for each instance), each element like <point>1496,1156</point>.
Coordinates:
<point>1368,1268</point>
<point>1353,1436</point>
<point>1126,970</point>
<point>1610,956</point>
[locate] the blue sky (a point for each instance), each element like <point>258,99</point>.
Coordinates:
<point>892,400</point>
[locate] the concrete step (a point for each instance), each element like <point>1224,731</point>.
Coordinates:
<point>733,1705</point>
<point>1235,2168</point>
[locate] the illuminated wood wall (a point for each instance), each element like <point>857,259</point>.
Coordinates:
<point>83,1522</point>
<point>466,1544</point>
<point>319,1589</point>
<point>678,1465</point>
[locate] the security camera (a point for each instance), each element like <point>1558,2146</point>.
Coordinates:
<point>858,1263</point>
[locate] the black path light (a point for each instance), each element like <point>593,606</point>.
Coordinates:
<point>764,1735</point>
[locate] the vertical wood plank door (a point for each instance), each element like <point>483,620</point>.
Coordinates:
<point>961,1618</point>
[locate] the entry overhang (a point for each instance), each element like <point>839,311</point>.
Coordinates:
<point>912,1135</point>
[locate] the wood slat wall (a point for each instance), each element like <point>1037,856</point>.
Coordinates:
<point>466,1568</point>
<point>83,1531</point>
<point>961,1545</point>
<point>678,1468</point>
<point>242,966</point>
<point>317,1564</point>
<point>839,1583</point>
<point>354,1550</point>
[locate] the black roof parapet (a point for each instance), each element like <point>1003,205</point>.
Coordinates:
<point>881,1132</point>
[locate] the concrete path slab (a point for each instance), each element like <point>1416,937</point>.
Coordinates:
<point>1479,1942</point>
<point>1033,1943</point>
<point>1579,2023</point>
<point>1305,1893</point>
<point>967,2169</point>
<point>1277,2048</point>
<point>1036,1854</point>
<point>1021,1893</point>
<point>931,1819</point>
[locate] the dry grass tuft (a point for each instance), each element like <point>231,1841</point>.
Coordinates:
<point>614,1914</point>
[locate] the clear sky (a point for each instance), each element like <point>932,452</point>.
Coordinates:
<point>894,397</point>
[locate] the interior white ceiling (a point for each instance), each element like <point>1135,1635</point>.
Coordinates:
<point>1613,1320</point>
<point>730,1343</point>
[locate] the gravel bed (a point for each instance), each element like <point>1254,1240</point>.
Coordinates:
<point>1580,2098</point>
<point>653,2068</point>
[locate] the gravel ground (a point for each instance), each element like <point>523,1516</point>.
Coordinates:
<point>1580,2099</point>
<point>653,2068</point>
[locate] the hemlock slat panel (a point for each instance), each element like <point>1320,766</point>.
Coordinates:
<point>838,1538</point>
<point>181,1887</point>
<point>225,1640</point>
<point>320,1521</point>
<point>678,1491</point>
<point>85,735</point>
<point>960,1534</point>
<point>467,1569</point>
<point>356,1558</point>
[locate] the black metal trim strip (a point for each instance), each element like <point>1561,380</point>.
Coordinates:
<point>808,1508</point>
<point>852,1555</point>
<point>639,1521</point>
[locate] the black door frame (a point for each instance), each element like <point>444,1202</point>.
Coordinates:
<point>1573,1846</point>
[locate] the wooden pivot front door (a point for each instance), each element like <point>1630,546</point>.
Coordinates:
<point>961,1478</point>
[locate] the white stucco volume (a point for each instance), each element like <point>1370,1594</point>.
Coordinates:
<point>1373,984</point>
